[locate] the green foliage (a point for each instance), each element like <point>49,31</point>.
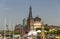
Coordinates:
<point>54,32</point>
<point>16,32</point>
<point>38,33</point>
<point>38,29</point>
<point>46,29</point>
<point>58,32</point>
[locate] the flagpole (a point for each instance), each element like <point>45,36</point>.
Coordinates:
<point>4,27</point>
<point>9,28</point>
<point>13,30</point>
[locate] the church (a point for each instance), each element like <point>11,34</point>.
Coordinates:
<point>34,24</point>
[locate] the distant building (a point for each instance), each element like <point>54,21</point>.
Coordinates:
<point>20,29</point>
<point>24,22</point>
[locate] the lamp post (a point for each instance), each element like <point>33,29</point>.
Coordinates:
<point>42,31</point>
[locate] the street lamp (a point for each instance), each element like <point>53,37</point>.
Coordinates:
<point>42,31</point>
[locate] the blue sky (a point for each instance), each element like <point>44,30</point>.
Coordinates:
<point>15,10</point>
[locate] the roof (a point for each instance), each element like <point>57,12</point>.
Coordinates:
<point>37,19</point>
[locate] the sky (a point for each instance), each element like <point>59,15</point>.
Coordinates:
<point>14,11</point>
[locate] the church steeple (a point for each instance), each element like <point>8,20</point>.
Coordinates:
<point>30,18</point>
<point>30,13</point>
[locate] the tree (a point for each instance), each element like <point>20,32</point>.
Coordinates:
<point>38,29</point>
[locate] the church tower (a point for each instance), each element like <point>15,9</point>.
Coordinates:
<point>30,19</point>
